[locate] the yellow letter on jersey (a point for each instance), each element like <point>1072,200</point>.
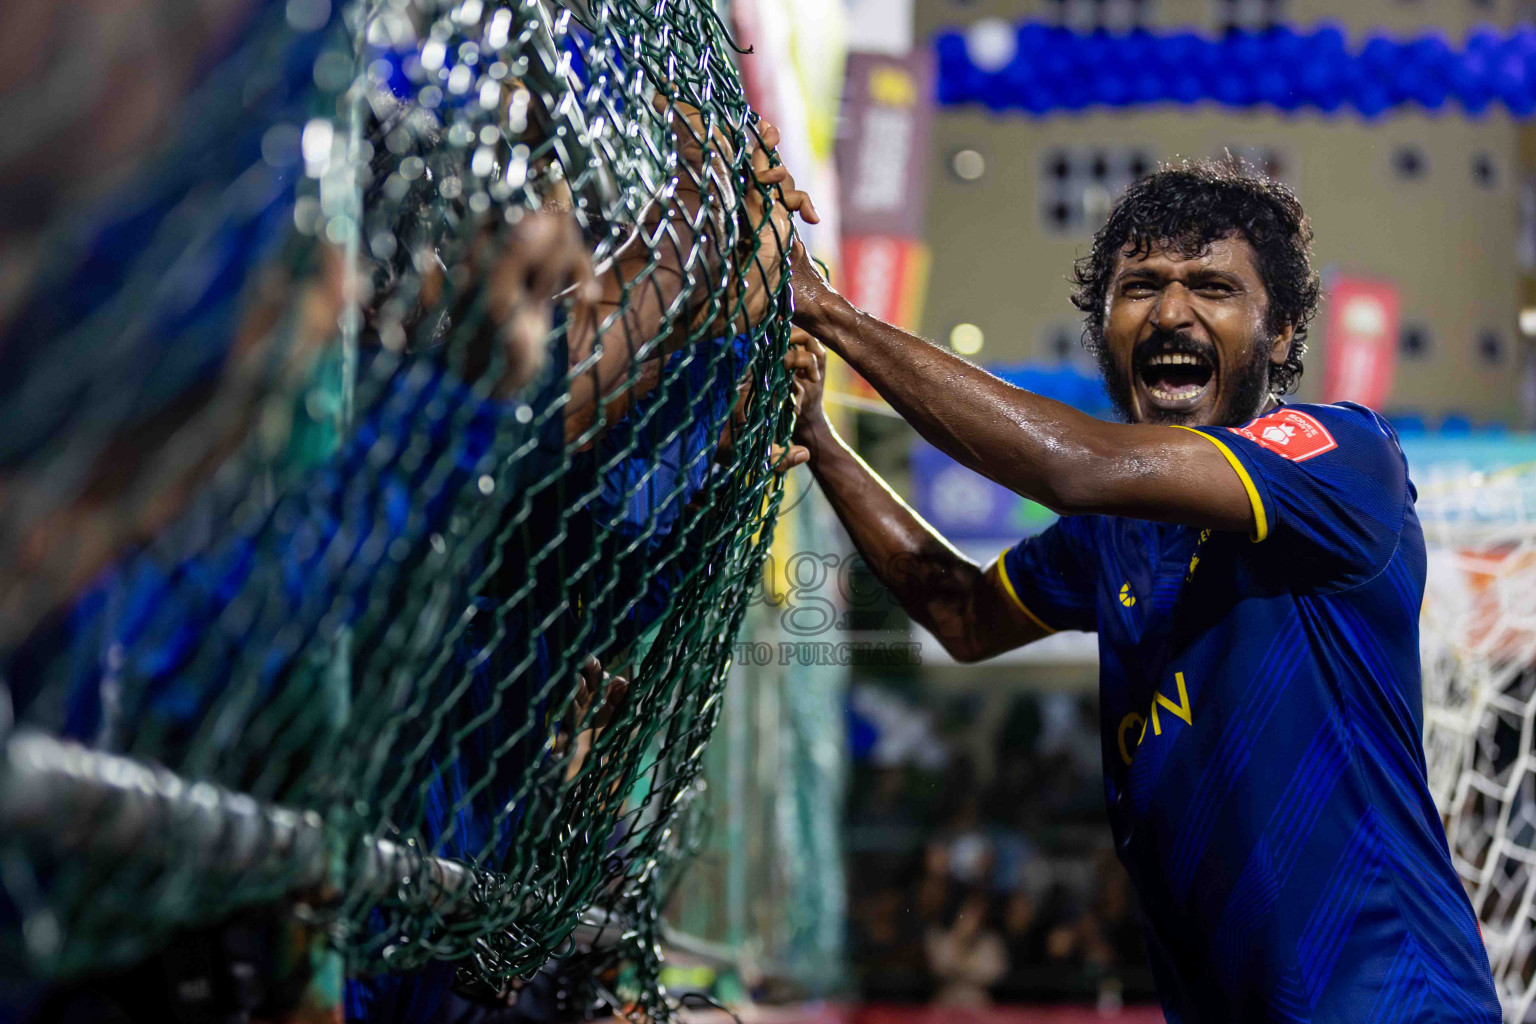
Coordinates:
<point>1130,721</point>
<point>1181,709</point>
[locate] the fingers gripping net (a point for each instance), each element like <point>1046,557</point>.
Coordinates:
<point>1478,639</point>
<point>427,357</point>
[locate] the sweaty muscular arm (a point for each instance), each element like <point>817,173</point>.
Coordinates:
<point>1068,461</point>
<point>965,606</point>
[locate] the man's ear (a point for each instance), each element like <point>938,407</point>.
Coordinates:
<point>1280,349</point>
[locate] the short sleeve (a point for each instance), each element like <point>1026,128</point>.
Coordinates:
<point>1329,487</point>
<point>1051,577</point>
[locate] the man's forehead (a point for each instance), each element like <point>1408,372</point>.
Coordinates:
<point>1231,253</point>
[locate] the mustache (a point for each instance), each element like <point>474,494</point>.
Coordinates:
<point>1172,343</point>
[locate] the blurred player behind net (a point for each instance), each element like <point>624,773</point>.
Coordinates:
<point>1254,571</point>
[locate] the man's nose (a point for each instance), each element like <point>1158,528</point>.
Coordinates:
<point>1173,310</point>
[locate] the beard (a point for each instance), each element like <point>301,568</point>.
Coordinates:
<point>1243,387</point>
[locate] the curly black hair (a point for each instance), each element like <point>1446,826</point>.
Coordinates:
<point>1189,206</point>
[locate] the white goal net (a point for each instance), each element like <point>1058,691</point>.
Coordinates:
<point>1478,641</point>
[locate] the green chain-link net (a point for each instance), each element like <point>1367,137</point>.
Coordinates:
<point>312,493</point>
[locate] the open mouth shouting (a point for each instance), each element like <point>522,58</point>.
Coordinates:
<point>1174,375</point>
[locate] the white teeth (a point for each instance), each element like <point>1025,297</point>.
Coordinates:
<point>1184,393</point>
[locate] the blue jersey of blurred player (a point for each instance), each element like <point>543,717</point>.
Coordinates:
<point>1254,571</point>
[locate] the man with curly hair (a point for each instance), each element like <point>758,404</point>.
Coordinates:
<point>1254,571</point>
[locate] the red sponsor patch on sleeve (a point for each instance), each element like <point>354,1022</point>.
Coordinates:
<point>1289,433</point>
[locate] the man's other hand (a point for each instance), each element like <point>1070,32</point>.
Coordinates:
<point>780,458</point>
<point>783,459</point>
<point>807,361</point>
<point>768,238</point>
<point>583,724</point>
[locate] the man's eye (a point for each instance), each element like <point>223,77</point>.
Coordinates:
<point>1218,290</point>
<point>1137,290</point>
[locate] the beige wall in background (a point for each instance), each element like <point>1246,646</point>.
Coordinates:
<point>1446,241</point>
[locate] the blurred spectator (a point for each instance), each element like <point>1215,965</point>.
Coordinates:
<point>1115,938</point>
<point>932,897</point>
<point>967,957</point>
<point>1021,929</point>
<point>887,933</point>
<point>981,865</point>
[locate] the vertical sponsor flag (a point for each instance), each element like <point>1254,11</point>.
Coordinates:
<point>882,157</point>
<point>1362,341</point>
<point>882,162</point>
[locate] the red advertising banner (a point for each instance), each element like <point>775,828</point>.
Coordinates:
<point>1362,341</point>
<point>887,277</point>
<point>884,275</point>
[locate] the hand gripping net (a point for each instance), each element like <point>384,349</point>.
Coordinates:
<point>1478,640</point>
<point>315,512</point>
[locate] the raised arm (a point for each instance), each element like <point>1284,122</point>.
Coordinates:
<point>965,606</point>
<point>1066,460</point>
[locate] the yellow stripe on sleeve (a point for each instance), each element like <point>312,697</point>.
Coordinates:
<point>1002,573</point>
<point>1260,520</point>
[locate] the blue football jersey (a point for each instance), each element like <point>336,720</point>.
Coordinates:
<point>1261,724</point>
